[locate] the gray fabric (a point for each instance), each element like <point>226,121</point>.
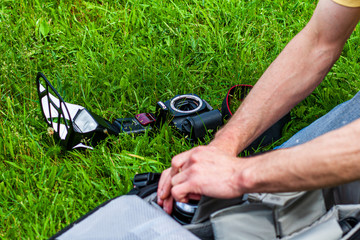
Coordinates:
<point>128,217</point>
<point>280,199</point>
<point>300,213</point>
<point>246,221</point>
<point>343,194</point>
<point>351,233</point>
<point>327,227</point>
<point>329,230</point>
<point>349,210</point>
<point>208,205</point>
<point>329,216</point>
<point>202,230</point>
<point>260,220</point>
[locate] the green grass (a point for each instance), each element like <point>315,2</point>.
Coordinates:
<point>118,58</point>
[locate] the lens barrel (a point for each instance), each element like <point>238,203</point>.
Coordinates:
<point>197,126</point>
<point>184,212</point>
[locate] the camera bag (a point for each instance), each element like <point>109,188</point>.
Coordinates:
<point>285,216</point>
<point>132,216</point>
<point>260,221</point>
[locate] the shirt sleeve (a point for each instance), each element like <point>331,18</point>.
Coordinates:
<point>348,3</point>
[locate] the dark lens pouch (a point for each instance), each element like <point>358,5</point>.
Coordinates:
<point>198,126</point>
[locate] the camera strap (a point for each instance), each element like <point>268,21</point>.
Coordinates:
<point>238,93</point>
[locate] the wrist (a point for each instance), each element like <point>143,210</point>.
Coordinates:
<point>235,137</point>
<point>244,178</point>
<point>229,140</point>
<point>226,144</point>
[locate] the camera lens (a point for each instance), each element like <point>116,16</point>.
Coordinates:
<point>184,212</point>
<point>198,126</point>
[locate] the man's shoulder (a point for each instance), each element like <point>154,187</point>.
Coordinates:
<point>348,3</point>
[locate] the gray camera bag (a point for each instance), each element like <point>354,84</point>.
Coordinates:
<point>126,218</point>
<point>131,217</point>
<point>291,216</point>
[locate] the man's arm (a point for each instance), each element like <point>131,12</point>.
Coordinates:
<point>295,73</point>
<point>329,160</point>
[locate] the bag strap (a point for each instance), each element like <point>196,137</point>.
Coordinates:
<point>145,184</point>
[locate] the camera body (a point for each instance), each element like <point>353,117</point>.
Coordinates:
<point>189,114</point>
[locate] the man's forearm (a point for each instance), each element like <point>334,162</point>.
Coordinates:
<point>290,78</point>
<point>295,73</point>
<point>329,160</point>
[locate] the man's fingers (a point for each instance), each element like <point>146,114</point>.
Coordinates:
<point>194,196</point>
<point>178,161</point>
<point>168,204</point>
<point>164,186</point>
<point>180,192</point>
<point>180,177</point>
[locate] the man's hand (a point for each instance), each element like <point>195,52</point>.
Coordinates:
<point>204,170</point>
<point>207,171</point>
<point>164,190</point>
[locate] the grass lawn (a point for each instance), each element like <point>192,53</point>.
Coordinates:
<point>118,58</point>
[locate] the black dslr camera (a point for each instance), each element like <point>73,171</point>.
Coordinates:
<point>189,114</point>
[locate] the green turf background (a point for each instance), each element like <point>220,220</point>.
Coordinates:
<point>118,58</point>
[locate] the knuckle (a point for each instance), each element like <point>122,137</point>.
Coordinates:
<point>174,193</point>
<point>194,171</point>
<point>198,149</point>
<point>195,158</point>
<point>175,162</point>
